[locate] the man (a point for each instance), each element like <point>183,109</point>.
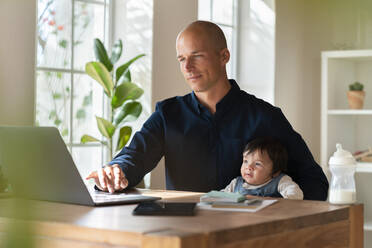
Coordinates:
<point>202,134</point>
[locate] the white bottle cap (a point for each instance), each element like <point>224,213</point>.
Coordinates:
<point>342,157</point>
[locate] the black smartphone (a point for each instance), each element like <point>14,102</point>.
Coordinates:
<point>165,208</point>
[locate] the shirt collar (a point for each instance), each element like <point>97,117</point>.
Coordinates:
<point>223,103</point>
<point>195,103</point>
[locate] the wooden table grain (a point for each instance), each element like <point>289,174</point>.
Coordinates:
<point>287,223</point>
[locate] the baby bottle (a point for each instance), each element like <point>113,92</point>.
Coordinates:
<point>342,166</point>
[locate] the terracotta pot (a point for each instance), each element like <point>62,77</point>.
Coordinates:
<point>366,159</point>
<point>355,99</point>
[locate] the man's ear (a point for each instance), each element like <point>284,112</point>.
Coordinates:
<point>225,55</point>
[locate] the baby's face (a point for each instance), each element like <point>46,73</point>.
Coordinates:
<point>257,167</point>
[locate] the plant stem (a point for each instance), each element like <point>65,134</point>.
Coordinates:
<point>110,149</point>
<point>110,140</point>
<point>45,9</point>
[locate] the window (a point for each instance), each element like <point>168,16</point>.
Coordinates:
<point>250,34</point>
<point>65,96</point>
<point>223,13</point>
<point>68,98</point>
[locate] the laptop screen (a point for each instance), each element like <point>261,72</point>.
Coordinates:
<point>39,166</point>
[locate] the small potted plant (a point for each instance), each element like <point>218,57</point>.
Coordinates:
<point>355,95</point>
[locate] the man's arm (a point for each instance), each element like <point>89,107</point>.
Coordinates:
<point>144,151</point>
<point>301,164</point>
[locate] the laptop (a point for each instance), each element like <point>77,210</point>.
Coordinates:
<point>38,166</point>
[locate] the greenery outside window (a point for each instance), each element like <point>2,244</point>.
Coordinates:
<point>65,96</point>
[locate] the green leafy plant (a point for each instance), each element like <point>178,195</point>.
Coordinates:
<point>51,29</point>
<point>356,86</point>
<point>121,92</point>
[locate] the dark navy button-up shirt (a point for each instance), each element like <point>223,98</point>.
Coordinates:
<point>203,151</point>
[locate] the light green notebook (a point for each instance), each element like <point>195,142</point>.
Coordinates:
<point>220,196</point>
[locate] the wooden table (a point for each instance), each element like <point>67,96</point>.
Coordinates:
<point>287,223</point>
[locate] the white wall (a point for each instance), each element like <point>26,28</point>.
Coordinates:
<point>170,17</point>
<point>17,53</point>
<point>304,28</point>
<point>290,29</point>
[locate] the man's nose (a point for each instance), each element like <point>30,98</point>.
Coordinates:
<point>188,65</point>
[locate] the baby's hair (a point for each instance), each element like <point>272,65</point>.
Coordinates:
<point>276,151</point>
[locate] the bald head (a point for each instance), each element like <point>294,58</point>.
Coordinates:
<point>209,31</point>
<point>202,54</point>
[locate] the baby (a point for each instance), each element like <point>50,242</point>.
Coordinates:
<point>264,161</point>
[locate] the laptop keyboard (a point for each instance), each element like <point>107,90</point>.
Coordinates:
<point>99,196</point>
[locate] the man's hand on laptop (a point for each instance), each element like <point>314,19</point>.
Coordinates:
<point>110,178</point>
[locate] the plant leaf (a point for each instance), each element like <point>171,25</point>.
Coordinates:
<point>87,138</point>
<point>80,114</point>
<point>105,127</point>
<point>57,96</point>
<point>129,112</point>
<point>63,43</point>
<point>99,72</point>
<point>125,91</point>
<point>101,54</point>
<point>88,99</point>
<point>127,76</point>
<point>64,132</point>
<point>57,122</point>
<point>52,114</point>
<point>116,51</point>
<point>124,136</point>
<point>123,68</point>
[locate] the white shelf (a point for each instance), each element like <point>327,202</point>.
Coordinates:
<point>350,127</point>
<point>351,54</point>
<point>364,167</point>
<point>349,112</point>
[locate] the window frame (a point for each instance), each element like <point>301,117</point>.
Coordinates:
<point>235,33</point>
